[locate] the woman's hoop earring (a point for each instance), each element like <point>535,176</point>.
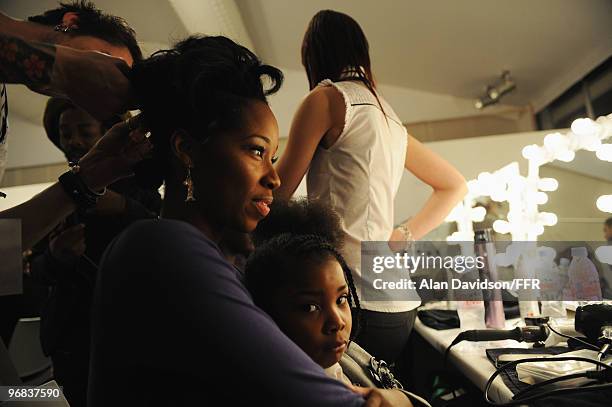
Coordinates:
<point>189,184</point>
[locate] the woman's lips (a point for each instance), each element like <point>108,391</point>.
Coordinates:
<point>263,206</point>
<point>340,347</point>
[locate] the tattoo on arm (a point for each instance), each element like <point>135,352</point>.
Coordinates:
<point>24,62</point>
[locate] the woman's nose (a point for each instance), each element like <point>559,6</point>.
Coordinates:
<point>271,180</point>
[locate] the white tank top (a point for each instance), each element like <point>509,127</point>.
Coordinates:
<point>359,176</point>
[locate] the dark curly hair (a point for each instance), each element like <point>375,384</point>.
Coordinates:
<point>95,23</point>
<point>201,86</point>
<point>295,233</point>
<point>301,216</point>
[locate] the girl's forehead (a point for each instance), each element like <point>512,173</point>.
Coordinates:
<point>323,272</point>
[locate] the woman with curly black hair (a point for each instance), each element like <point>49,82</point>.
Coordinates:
<point>172,322</point>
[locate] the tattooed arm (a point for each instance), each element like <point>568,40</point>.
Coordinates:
<point>94,81</point>
<point>28,63</point>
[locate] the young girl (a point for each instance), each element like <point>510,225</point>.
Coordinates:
<point>304,284</point>
<point>301,280</point>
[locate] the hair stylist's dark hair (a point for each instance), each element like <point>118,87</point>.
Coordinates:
<point>94,23</point>
<point>201,86</point>
<point>608,222</point>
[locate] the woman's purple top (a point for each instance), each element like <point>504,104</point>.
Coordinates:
<point>174,325</point>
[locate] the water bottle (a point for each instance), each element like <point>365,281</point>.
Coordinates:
<point>525,269</point>
<point>583,276</point>
<point>550,285</point>
<point>484,247</point>
<point>563,276</point>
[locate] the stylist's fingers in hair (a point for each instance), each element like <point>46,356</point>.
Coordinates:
<point>135,122</point>
<point>115,154</point>
<point>140,146</point>
<point>93,80</point>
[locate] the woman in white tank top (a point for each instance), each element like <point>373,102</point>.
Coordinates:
<point>355,150</point>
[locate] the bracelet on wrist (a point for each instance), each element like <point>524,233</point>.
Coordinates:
<point>407,233</point>
<point>73,184</point>
<point>76,168</point>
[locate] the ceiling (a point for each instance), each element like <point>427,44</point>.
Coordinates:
<point>453,47</point>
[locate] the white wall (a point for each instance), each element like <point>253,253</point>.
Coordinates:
<point>418,106</point>
<point>29,145</point>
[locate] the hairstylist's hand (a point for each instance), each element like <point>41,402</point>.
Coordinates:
<point>93,81</point>
<point>114,155</point>
<point>382,397</point>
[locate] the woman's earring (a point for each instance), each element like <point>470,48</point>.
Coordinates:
<point>62,28</point>
<point>189,184</point>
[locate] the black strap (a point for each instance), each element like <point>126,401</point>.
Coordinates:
<point>3,119</point>
<point>74,186</point>
<point>3,113</point>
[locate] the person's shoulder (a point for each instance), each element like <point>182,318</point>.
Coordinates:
<point>162,234</point>
<point>324,97</point>
<point>156,245</point>
<point>326,89</point>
